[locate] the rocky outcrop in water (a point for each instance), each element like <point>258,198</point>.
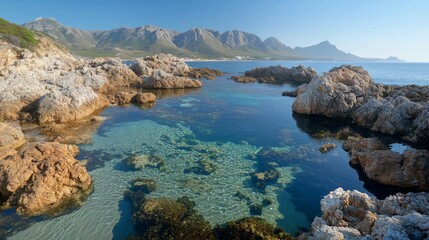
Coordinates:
<point>355,215</point>
<point>327,147</point>
<point>42,178</point>
<point>163,80</point>
<point>165,71</point>
<point>278,75</point>
<point>349,92</point>
<point>409,169</point>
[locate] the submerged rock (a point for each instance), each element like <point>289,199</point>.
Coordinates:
<point>355,215</point>
<point>250,228</point>
<point>204,167</point>
<point>142,161</point>
<point>262,179</point>
<point>349,92</point>
<point>409,169</point>
<point>164,218</point>
<point>277,75</point>
<point>143,184</point>
<point>41,178</point>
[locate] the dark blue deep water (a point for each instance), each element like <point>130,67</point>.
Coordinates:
<point>237,120</point>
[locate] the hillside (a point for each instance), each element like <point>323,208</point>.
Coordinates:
<point>17,35</point>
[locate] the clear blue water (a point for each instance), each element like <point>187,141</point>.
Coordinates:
<point>232,122</point>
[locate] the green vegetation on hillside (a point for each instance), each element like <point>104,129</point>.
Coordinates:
<point>16,35</point>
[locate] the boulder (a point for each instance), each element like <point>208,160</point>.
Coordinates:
<point>408,170</point>
<point>337,93</point>
<point>163,80</point>
<point>327,147</point>
<point>42,178</point>
<point>165,62</point>
<point>11,136</point>
<point>355,215</point>
<point>68,104</point>
<point>142,98</point>
<point>123,98</point>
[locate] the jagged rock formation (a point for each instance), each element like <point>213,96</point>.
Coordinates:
<point>355,215</point>
<point>278,75</point>
<point>349,92</point>
<point>42,177</point>
<point>409,169</point>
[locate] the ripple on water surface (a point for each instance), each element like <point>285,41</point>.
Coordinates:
<point>106,215</point>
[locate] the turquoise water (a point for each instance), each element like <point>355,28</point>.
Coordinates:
<point>227,124</point>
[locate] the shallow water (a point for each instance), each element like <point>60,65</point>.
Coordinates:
<point>226,123</point>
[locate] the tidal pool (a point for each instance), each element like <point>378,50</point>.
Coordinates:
<point>239,129</point>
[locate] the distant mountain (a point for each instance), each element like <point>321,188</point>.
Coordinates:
<point>128,42</point>
<point>325,51</point>
<point>70,37</point>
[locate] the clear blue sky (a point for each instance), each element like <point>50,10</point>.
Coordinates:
<point>368,28</point>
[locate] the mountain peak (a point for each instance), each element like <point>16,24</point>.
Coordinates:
<point>325,43</point>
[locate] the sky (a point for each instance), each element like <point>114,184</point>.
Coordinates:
<point>367,28</point>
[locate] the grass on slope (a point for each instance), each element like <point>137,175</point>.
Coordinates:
<point>12,32</point>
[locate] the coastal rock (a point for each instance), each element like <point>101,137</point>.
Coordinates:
<point>43,177</point>
<point>125,97</point>
<point>349,92</point>
<point>11,136</point>
<point>164,80</point>
<point>143,98</point>
<point>207,73</point>
<point>118,74</point>
<point>355,215</point>
<point>337,93</point>
<point>278,75</point>
<point>327,147</point>
<point>409,169</point>
<point>68,104</point>
<point>165,62</point>
<point>301,88</point>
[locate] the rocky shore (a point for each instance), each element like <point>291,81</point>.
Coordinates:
<point>349,92</point>
<point>277,75</point>
<point>48,86</point>
<point>355,215</point>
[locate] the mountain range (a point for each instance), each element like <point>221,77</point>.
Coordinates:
<point>128,42</point>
